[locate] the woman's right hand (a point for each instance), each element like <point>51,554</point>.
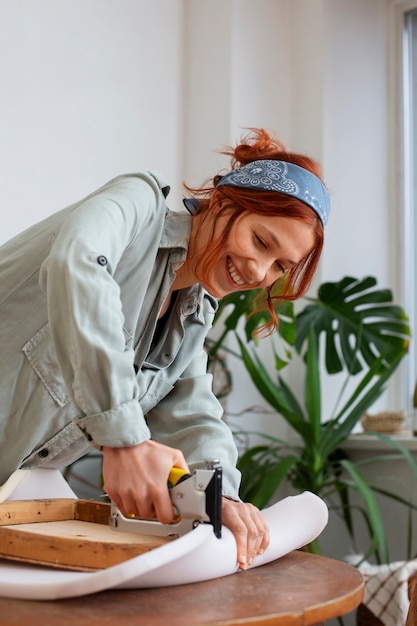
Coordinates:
<point>136,479</point>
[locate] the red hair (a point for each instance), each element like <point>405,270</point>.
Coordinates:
<point>234,202</point>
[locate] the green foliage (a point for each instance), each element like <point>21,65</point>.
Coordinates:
<point>358,322</point>
<point>353,329</point>
<point>241,306</point>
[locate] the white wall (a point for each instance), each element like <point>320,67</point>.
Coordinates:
<point>89,89</point>
<point>355,138</point>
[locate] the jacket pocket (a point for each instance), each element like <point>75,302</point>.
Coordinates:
<point>41,355</point>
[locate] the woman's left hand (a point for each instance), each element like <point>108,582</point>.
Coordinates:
<point>249,529</point>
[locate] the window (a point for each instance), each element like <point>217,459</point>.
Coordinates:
<point>409,64</point>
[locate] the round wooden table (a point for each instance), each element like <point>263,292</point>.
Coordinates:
<point>298,589</point>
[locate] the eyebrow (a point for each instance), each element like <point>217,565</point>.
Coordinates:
<point>275,241</point>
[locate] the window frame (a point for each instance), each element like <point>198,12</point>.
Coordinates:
<point>409,117</point>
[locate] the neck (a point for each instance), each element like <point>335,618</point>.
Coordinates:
<point>184,277</point>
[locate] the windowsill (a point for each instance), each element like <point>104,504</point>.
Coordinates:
<point>363,441</point>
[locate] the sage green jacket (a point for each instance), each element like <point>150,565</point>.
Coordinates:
<point>81,364</point>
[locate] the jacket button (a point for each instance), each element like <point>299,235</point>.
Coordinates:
<point>43,453</point>
<point>101,260</point>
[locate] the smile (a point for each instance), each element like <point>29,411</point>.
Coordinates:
<point>233,273</point>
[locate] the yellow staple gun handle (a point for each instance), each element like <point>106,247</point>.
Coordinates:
<point>175,475</point>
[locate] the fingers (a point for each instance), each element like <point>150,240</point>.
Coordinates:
<point>148,500</point>
<point>249,529</point>
<point>136,479</point>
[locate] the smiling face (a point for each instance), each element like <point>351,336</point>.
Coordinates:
<point>257,251</point>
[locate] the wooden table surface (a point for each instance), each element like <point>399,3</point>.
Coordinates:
<point>299,589</point>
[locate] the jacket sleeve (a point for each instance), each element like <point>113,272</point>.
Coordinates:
<point>84,306</point>
<point>190,418</point>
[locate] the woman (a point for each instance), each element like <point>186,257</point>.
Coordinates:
<point>105,307</point>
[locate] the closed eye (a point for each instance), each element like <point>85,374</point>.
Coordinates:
<point>260,241</point>
<point>264,245</point>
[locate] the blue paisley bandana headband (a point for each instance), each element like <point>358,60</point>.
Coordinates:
<point>288,178</point>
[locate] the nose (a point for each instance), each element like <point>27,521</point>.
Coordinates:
<point>257,270</point>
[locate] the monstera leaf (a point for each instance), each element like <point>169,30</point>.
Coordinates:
<point>360,325</point>
<point>245,305</point>
<point>354,328</point>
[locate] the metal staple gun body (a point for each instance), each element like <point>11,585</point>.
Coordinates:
<point>196,497</point>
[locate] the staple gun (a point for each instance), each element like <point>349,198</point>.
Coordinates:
<point>196,497</point>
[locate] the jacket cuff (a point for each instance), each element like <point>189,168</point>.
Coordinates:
<point>121,427</point>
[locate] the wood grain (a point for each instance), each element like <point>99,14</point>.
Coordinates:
<point>69,534</point>
<point>300,589</point>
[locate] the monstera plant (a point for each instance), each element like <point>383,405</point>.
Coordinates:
<point>352,329</point>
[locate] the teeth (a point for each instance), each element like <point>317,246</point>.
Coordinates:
<point>233,273</point>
